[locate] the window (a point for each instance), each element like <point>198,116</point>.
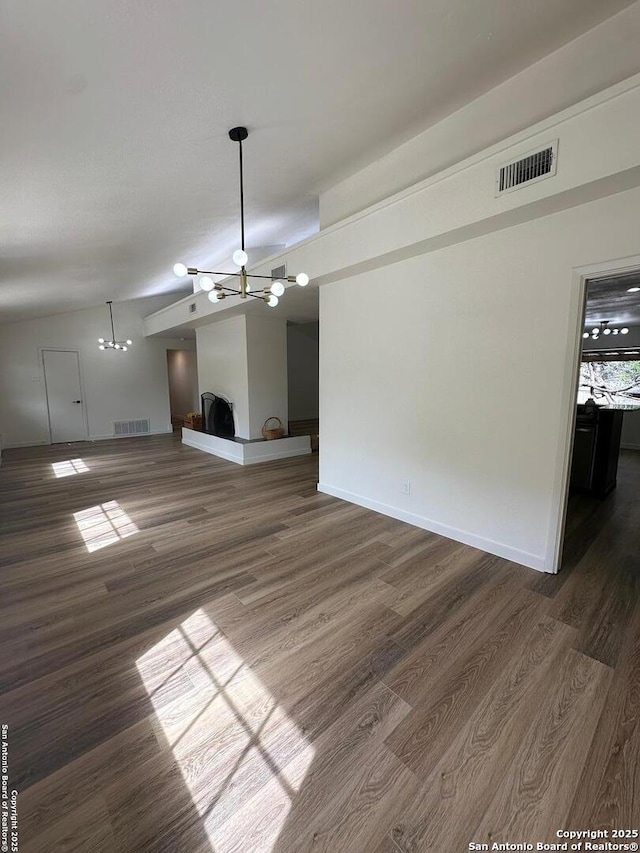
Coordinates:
<point>610,382</point>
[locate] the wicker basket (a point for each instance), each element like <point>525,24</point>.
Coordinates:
<point>274,432</point>
<point>193,420</point>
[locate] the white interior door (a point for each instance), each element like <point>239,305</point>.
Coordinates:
<point>64,395</point>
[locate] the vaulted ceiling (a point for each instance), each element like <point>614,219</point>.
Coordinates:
<point>115,157</point>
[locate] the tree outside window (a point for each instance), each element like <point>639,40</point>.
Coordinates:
<point>610,382</point>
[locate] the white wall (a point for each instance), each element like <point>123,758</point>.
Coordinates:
<point>267,360</point>
<point>222,366</point>
<point>116,386</point>
<point>183,381</point>
<point>303,370</point>
<point>450,386</point>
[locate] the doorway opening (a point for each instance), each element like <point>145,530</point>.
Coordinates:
<point>182,371</point>
<point>303,383</point>
<point>604,470</point>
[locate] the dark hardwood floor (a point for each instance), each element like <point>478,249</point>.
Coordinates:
<point>201,657</point>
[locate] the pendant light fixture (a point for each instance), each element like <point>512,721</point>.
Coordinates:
<point>113,343</point>
<point>603,328</point>
<point>268,293</point>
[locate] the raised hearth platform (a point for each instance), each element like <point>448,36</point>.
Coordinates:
<point>247,452</point>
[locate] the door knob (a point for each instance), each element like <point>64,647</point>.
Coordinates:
<point>77,401</point>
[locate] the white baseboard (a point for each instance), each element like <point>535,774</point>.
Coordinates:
<point>26,444</point>
<point>90,438</point>
<point>500,549</point>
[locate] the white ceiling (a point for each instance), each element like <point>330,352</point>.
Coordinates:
<point>115,160</point>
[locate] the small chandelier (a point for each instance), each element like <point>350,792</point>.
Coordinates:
<point>603,328</point>
<point>269,293</point>
<point>113,343</point>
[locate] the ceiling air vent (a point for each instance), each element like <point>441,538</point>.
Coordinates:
<point>193,307</point>
<point>536,166</point>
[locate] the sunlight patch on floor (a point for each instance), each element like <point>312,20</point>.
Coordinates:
<point>69,467</point>
<point>241,756</point>
<point>104,525</point>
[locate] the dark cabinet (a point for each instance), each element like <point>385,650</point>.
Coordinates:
<point>596,447</point>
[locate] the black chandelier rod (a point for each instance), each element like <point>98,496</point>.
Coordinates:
<point>113,334</point>
<point>241,200</point>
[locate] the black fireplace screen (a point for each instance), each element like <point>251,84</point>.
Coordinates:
<point>217,416</point>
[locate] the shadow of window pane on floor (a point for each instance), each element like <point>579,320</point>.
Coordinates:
<point>104,525</point>
<point>224,730</point>
<point>69,467</point>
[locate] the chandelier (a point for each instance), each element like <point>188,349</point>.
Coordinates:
<point>113,343</point>
<point>268,293</point>
<point>603,328</point>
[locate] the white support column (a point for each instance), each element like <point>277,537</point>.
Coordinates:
<point>244,359</point>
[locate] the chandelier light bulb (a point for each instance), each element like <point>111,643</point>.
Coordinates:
<point>594,331</point>
<point>585,334</point>
<point>624,331</point>
<point>272,301</point>
<point>277,288</point>
<point>124,349</point>
<point>129,343</point>
<point>117,346</point>
<point>240,257</point>
<point>615,331</point>
<point>180,270</point>
<point>213,296</point>
<point>606,331</point>
<point>205,282</point>
<point>100,340</point>
<point>101,346</point>
<point>302,279</point>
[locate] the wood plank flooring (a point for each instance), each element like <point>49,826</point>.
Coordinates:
<point>203,658</point>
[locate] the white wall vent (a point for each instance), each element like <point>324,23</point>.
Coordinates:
<point>529,169</point>
<point>193,307</point>
<point>279,272</point>
<point>139,427</point>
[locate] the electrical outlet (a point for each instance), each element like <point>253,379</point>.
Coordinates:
<point>406,487</point>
